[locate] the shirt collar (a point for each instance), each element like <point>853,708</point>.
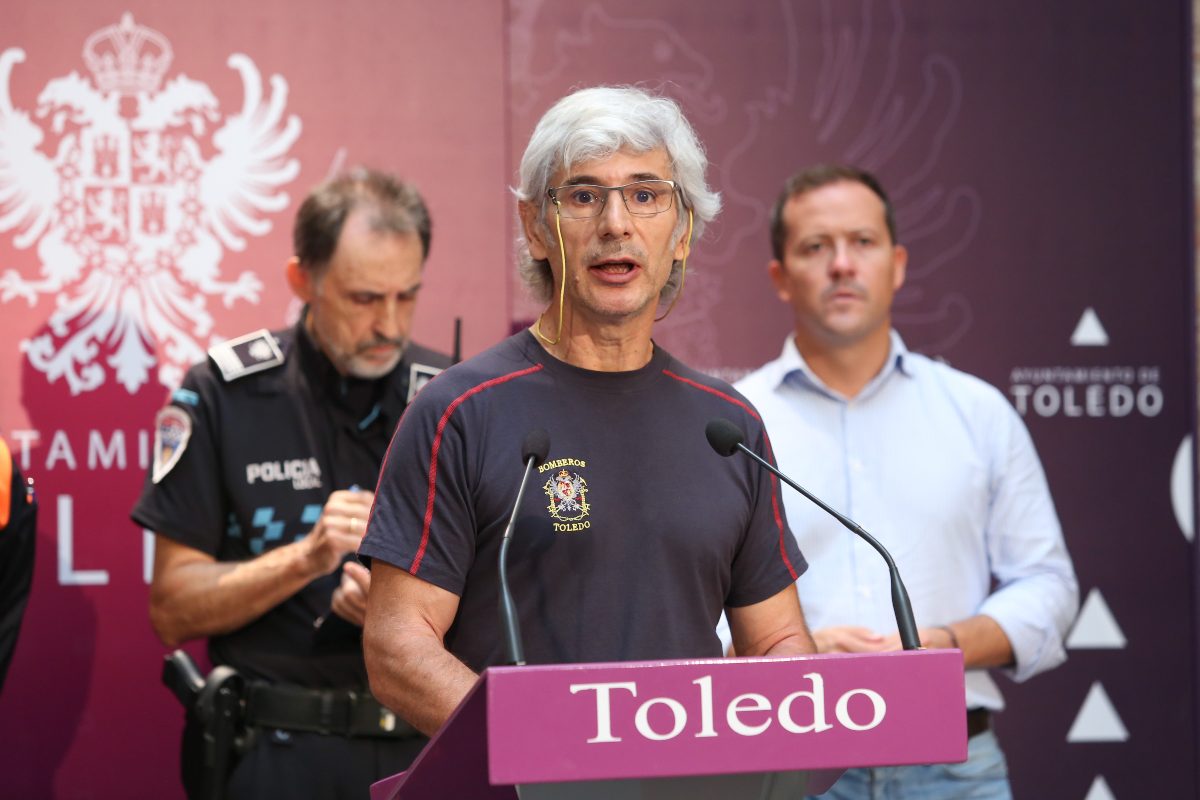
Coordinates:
<point>792,368</point>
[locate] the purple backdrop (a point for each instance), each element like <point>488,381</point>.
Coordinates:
<point>1038,156</point>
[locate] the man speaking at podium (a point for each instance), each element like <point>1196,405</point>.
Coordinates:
<point>932,461</point>
<point>633,535</point>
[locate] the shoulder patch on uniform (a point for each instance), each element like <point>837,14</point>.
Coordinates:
<point>172,429</point>
<point>418,376</point>
<point>246,355</point>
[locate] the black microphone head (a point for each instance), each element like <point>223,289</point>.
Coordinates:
<point>724,436</point>
<point>536,446</point>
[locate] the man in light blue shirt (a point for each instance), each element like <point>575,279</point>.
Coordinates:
<point>932,461</point>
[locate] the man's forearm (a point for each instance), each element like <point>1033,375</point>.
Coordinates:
<point>799,643</point>
<point>774,626</point>
<point>200,598</point>
<point>982,641</point>
<point>421,681</point>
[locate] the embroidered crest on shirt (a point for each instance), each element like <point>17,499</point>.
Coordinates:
<point>568,499</point>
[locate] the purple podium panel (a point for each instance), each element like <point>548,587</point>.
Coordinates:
<point>689,729</point>
<point>582,722</point>
<point>454,764</point>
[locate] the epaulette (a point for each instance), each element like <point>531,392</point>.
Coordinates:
<point>245,355</point>
<point>418,376</point>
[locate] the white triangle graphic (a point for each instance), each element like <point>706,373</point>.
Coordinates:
<point>1100,790</point>
<point>1097,720</point>
<point>1095,627</point>
<point>1088,331</point>
<point>1181,488</point>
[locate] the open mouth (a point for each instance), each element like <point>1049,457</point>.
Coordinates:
<point>615,267</point>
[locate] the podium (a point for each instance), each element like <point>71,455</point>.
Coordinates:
<point>771,727</point>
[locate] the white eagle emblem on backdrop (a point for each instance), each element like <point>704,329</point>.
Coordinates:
<point>131,204</point>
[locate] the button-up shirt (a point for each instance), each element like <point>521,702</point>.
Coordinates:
<point>939,467</point>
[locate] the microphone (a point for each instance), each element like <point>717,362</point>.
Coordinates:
<point>534,449</point>
<point>726,439</point>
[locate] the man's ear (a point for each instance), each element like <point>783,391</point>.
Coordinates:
<point>779,279</point>
<point>534,231</point>
<point>683,247</point>
<point>899,267</point>
<point>300,280</point>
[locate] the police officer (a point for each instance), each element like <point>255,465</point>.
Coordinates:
<point>18,524</point>
<point>264,462</point>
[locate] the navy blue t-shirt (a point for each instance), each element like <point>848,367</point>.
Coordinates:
<point>632,536</point>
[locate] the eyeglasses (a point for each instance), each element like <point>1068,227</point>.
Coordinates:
<point>642,198</point>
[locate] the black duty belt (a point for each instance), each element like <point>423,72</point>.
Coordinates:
<point>978,721</point>
<point>337,712</point>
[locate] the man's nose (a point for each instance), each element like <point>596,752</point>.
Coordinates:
<point>387,321</point>
<point>615,219</point>
<point>840,261</point>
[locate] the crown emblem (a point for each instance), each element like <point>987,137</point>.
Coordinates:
<point>127,58</point>
<point>568,496</point>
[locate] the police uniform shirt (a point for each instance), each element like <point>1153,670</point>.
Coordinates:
<point>631,537</point>
<point>246,456</point>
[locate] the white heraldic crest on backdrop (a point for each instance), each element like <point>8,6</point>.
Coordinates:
<point>131,191</point>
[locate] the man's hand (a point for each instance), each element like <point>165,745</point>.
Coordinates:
<point>981,639</point>
<point>339,530</point>
<point>850,639</point>
<point>350,598</point>
<point>194,595</point>
<point>931,639</point>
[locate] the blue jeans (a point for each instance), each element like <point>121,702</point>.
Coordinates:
<point>983,776</point>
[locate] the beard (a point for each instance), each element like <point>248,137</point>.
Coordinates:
<point>355,360</point>
<point>360,364</point>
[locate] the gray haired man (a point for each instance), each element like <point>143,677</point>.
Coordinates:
<point>639,537</point>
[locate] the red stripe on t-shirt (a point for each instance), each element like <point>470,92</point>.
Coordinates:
<point>787,562</point>
<point>727,397</point>
<point>775,507</point>
<point>437,446</point>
